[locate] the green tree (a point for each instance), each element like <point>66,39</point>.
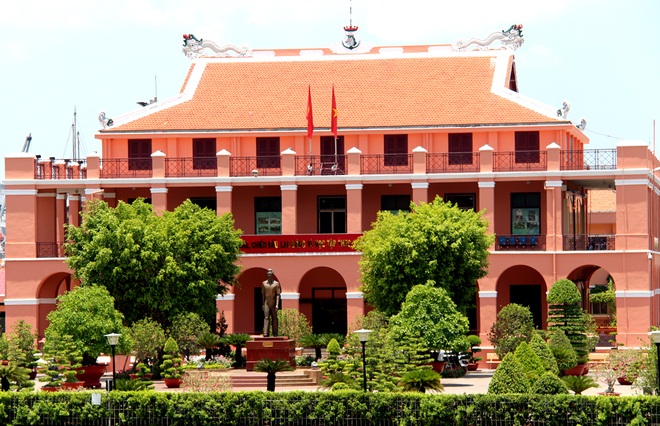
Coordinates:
<point>530,362</point>
<point>549,384</point>
<point>562,350</point>
<point>156,266</point>
<point>565,313</point>
<point>437,243</point>
<point>293,324</point>
<point>172,366</point>
<point>147,340</point>
<point>87,314</point>
<point>186,329</point>
<point>428,315</point>
<point>509,377</point>
<point>542,350</point>
<point>514,324</point>
<point>21,345</point>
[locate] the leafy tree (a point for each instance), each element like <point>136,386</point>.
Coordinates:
<point>436,243</point>
<point>509,377</point>
<point>21,345</point>
<point>514,324</point>
<point>431,317</point>
<point>156,266</point>
<point>530,362</point>
<point>293,324</point>
<point>147,340</point>
<point>549,384</point>
<point>565,313</point>
<point>87,314</point>
<point>542,350</point>
<point>186,329</point>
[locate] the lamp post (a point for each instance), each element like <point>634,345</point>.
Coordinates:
<point>113,339</point>
<point>363,335</point>
<point>655,337</point>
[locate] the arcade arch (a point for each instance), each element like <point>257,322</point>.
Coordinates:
<point>525,286</point>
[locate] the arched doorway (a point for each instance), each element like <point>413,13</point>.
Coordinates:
<point>248,314</point>
<point>323,300</point>
<point>525,286</point>
<point>51,287</point>
<point>591,280</point>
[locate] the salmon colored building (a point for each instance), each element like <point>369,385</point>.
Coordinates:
<point>413,122</point>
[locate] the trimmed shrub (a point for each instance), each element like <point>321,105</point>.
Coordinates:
<point>542,350</point>
<point>333,347</point>
<point>549,384</point>
<point>562,350</point>
<point>509,377</point>
<point>530,362</point>
<point>565,313</point>
<point>514,324</point>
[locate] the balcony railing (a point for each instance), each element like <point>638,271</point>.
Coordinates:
<point>126,168</point>
<point>195,167</point>
<point>50,249</point>
<point>455,162</point>
<point>60,169</point>
<point>264,166</point>
<point>519,161</point>
<point>319,165</point>
<point>589,159</point>
<point>520,243</point>
<point>588,242</point>
<point>375,164</point>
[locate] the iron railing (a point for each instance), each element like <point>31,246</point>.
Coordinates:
<point>519,161</point>
<point>50,249</point>
<point>455,162</point>
<point>319,165</point>
<point>588,159</point>
<point>255,166</point>
<point>126,168</point>
<point>588,242</point>
<point>195,167</point>
<point>375,164</point>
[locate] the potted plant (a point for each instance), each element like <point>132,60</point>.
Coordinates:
<point>87,314</point>
<point>627,363</point>
<point>70,360</point>
<point>172,368</point>
<point>473,361</point>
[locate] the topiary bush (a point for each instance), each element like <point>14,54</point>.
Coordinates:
<point>562,350</point>
<point>514,324</point>
<point>566,313</point>
<point>532,365</point>
<point>509,377</point>
<point>549,384</point>
<point>542,350</point>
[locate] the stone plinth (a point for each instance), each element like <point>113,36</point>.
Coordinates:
<point>271,348</point>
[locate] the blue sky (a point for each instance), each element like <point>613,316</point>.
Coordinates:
<point>600,55</point>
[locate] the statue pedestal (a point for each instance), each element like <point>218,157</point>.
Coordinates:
<point>271,348</point>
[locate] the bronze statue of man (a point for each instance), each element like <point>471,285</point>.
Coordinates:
<point>270,294</point>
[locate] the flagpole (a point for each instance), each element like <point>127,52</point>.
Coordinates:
<point>333,124</point>
<point>310,127</point>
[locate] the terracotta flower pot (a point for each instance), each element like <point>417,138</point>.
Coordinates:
<point>173,383</point>
<point>624,381</point>
<point>91,375</point>
<point>438,366</point>
<point>578,370</point>
<point>51,389</point>
<point>473,366</point>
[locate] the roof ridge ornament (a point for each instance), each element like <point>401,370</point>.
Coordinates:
<point>194,47</point>
<point>511,38</point>
<point>351,41</point>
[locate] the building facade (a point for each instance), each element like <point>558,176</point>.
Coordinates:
<point>412,123</point>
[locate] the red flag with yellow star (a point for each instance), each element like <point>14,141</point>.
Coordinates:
<point>333,120</point>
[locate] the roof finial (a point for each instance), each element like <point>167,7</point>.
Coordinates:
<point>351,41</point>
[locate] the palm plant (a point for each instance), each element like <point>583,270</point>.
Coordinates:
<point>316,341</point>
<point>238,340</point>
<point>271,368</point>
<point>340,338</point>
<point>133,385</point>
<point>579,384</point>
<point>14,373</point>
<point>421,380</point>
<point>330,381</point>
<point>208,341</point>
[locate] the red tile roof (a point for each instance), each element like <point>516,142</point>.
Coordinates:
<point>373,91</point>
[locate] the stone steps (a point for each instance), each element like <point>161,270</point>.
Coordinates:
<point>259,380</point>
